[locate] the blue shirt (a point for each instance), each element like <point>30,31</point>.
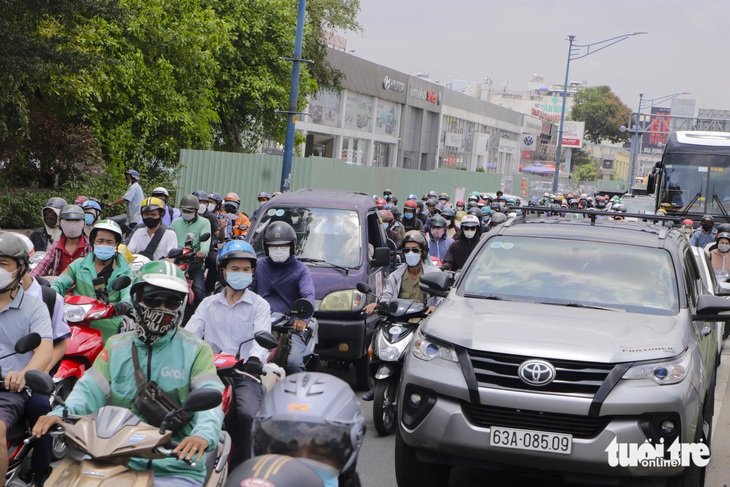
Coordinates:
<point>134,196</point>
<point>23,315</point>
<point>282,283</point>
<point>700,238</point>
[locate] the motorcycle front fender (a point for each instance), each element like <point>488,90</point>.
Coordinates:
<point>69,368</point>
<point>384,371</point>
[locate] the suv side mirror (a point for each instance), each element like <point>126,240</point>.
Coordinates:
<point>381,257</point>
<point>435,283</point>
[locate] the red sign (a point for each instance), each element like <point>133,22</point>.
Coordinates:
<point>655,136</point>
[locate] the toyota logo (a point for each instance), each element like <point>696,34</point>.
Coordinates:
<point>536,372</point>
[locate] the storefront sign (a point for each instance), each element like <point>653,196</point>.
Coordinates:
<point>421,94</point>
<point>393,85</point>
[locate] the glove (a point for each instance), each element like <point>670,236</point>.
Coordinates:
<point>253,366</point>
<point>123,308</point>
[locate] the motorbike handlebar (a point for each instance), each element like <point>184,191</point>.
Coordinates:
<point>169,452</point>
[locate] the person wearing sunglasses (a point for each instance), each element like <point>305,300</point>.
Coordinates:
<point>174,358</point>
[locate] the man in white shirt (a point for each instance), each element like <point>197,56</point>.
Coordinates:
<point>133,197</point>
<point>228,321</point>
<point>145,240</point>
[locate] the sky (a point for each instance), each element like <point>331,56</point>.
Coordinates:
<point>687,48</point>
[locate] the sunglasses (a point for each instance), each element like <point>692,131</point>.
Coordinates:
<point>155,301</point>
<point>415,251</point>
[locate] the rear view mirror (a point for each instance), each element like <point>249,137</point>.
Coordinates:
<point>28,343</point>
<point>175,253</point>
<point>121,282</point>
<point>435,283</point>
<point>381,257</point>
<point>302,309</point>
<point>266,339</point>
<point>205,237</point>
<point>364,288</point>
<point>202,400</point>
<point>39,382</point>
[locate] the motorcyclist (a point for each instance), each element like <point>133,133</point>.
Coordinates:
<point>469,234</point>
<point>274,471</point>
<point>228,319</point>
<point>421,214</point>
<point>44,237</point>
<point>133,197</point>
<point>173,357</point>
<point>706,233</point>
<point>143,239</point>
<point>215,205</point>
<point>73,244</point>
<point>21,314</point>
<point>386,194</point>
<point>380,203</point>
<point>281,279</point>
<point>92,212</point>
<point>438,241</point>
<point>387,220</point>
<point>450,216</point>
<point>104,261</point>
<point>497,219</point>
<point>444,199</point>
<point>190,222</point>
<point>171,213</point>
<point>719,256</point>
<point>410,220</point>
<point>262,198</point>
<point>403,281</point>
<point>460,205</point>
<point>234,224</point>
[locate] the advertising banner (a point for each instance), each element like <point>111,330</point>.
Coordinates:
<point>573,134</point>
<point>655,135</point>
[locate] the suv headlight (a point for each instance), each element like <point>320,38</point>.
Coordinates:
<point>663,372</point>
<point>428,349</point>
<point>345,300</point>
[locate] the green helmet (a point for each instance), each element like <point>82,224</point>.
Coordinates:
<point>158,283</point>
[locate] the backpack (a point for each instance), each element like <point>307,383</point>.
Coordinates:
<point>48,294</point>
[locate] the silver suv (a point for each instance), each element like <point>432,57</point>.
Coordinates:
<point>561,344</point>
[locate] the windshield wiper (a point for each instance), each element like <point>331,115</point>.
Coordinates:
<point>320,261</point>
<point>480,296</point>
<point>587,306</point>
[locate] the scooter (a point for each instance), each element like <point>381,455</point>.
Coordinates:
<point>391,342</point>
<point>281,326</point>
<point>102,440</point>
<point>185,258</point>
<point>19,449</point>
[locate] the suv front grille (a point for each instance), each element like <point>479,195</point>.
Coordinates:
<point>499,370</point>
<point>578,426</point>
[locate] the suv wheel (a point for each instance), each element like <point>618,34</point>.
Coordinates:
<point>411,472</point>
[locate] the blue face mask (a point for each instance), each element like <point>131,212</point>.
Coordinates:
<point>104,252</point>
<point>408,216</point>
<point>238,281</point>
<point>412,259</point>
<point>88,218</point>
<point>385,225</point>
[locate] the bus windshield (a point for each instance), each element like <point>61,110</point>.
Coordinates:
<point>695,183</point>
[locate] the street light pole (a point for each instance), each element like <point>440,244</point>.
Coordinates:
<point>635,145</point>
<point>575,54</point>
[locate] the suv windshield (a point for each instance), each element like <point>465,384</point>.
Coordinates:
<point>574,273</point>
<point>324,235</point>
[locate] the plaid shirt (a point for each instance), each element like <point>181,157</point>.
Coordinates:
<point>50,265</point>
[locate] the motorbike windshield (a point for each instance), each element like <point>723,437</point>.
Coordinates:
<point>574,273</point>
<point>325,236</point>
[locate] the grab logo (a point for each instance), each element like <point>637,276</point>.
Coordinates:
<point>175,374</point>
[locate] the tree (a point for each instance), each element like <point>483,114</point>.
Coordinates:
<point>583,166</point>
<point>603,113</point>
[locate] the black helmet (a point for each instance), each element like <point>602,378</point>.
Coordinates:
<point>417,237</point>
<point>280,233</point>
<point>56,202</point>
<point>201,195</point>
<point>448,213</point>
<point>274,471</point>
<point>420,205</point>
<point>708,218</point>
<point>444,196</point>
<point>438,221</point>
<point>433,194</point>
<point>387,192</point>
<point>71,212</point>
<point>477,212</point>
<point>723,227</point>
<point>393,199</point>
<point>432,202</point>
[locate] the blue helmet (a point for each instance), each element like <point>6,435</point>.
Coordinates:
<point>412,196</point>
<point>91,204</point>
<point>236,249</point>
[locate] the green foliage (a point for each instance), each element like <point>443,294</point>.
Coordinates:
<point>603,113</point>
<point>584,172</point>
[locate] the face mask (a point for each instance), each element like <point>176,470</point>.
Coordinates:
<point>89,218</point>
<point>151,222</point>
<point>413,259</point>
<point>408,216</point>
<point>201,208</point>
<point>448,222</point>
<point>188,216</point>
<point>6,279</point>
<point>707,226</point>
<point>385,225</point>
<point>153,323</point>
<point>51,221</point>
<point>279,255</point>
<point>212,207</point>
<point>469,234</point>
<point>72,228</point>
<point>238,281</point>
<point>104,252</point>
<point>723,248</point>
<point>437,233</point>
<point>459,208</point>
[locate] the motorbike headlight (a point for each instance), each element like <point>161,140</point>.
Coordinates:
<point>390,352</point>
<point>75,312</point>
<point>663,372</point>
<point>345,300</point>
<point>428,349</point>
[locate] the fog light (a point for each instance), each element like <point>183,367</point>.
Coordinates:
<point>343,347</point>
<point>667,427</point>
<point>414,399</point>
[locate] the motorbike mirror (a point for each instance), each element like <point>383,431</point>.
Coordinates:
<point>205,237</point>
<point>174,253</point>
<point>39,382</point>
<point>302,309</point>
<point>364,288</point>
<point>202,400</point>
<point>27,343</point>
<point>393,307</point>
<point>266,339</point>
<point>121,282</point>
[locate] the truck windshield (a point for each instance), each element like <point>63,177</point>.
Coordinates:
<point>574,273</point>
<point>324,235</point>
<point>695,183</point>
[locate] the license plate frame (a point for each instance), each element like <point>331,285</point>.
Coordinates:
<point>531,440</point>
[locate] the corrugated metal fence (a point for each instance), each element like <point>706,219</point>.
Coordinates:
<point>249,174</point>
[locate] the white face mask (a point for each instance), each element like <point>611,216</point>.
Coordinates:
<point>723,247</point>
<point>201,208</point>
<point>188,216</point>
<point>211,207</point>
<point>279,254</point>
<point>470,233</point>
<point>6,278</point>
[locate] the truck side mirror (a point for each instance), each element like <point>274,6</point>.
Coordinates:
<point>381,257</point>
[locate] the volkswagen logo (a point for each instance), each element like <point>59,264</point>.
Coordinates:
<point>536,372</point>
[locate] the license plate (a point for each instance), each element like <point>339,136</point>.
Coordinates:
<point>531,440</point>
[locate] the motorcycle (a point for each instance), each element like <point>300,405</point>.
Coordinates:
<point>101,441</point>
<point>85,343</point>
<point>281,326</point>
<point>391,341</point>
<point>185,258</point>
<point>19,449</point>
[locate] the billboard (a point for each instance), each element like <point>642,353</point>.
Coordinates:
<point>655,135</point>
<point>573,134</point>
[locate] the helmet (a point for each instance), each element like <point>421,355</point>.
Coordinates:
<point>412,196</point>
<point>151,204</point>
<point>444,196</point>
<point>156,281</point>
<point>437,209</point>
<point>439,222</point>
<point>410,205</point>
<point>28,243</point>
<point>499,217</point>
<point>133,173</point>
<point>263,195</point>
<point>460,203</point>
<point>420,205</point>
<point>417,237</point>
<point>11,245</point>
<point>393,199</point>
<point>80,200</point>
<point>470,221</point>
<point>332,419</point>
<point>620,207</point>
<point>473,197</point>
<point>56,202</point>
<point>723,227</point>
<point>232,197</point>
<point>189,202</point>
<point>71,212</point>
<point>386,216</point>
<point>722,235</point>
<point>432,194</point>
<point>387,192</point>
<point>708,218</point>
<point>109,225</point>
<point>380,203</point>
<point>91,205</point>
<point>432,202</point>
<point>477,212</point>
<point>274,471</point>
<point>279,233</point>
<point>201,195</point>
<point>546,195</point>
<point>160,191</point>
<point>689,222</point>
<point>448,212</point>
<point>215,197</point>
<point>236,249</point>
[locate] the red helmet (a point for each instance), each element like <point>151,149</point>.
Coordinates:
<point>410,204</point>
<point>460,203</point>
<point>688,222</point>
<point>380,203</point>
